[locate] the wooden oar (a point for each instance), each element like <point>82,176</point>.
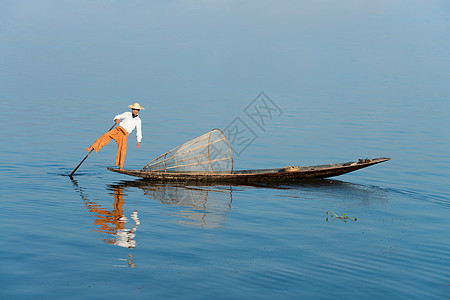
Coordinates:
<point>74,170</point>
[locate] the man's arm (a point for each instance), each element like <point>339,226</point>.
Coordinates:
<point>119,117</point>
<point>138,134</point>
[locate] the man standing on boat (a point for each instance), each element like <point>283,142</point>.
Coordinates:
<point>127,122</point>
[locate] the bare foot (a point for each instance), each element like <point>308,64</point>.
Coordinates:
<point>89,149</point>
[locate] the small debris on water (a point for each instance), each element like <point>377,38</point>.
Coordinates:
<point>343,217</point>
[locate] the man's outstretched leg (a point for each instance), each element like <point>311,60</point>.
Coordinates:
<point>102,141</point>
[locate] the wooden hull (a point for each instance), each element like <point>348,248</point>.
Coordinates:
<point>257,176</point>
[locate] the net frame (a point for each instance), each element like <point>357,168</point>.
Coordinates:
<point>169,161</point>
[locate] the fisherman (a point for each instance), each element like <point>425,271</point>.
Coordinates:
<point>128,121</point>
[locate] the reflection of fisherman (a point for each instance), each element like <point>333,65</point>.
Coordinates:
<point>123,237</point>
<point>128,121</point>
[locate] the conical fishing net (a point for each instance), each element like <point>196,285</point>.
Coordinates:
<point>208,153</point>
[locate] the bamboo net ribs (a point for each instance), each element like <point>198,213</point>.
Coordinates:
<point>208,153</point>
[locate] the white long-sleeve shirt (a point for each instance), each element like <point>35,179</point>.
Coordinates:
<point>129,123</point>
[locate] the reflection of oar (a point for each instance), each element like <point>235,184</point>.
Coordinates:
<point>74,170</point>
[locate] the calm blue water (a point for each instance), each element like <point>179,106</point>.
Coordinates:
<point>343,82</point>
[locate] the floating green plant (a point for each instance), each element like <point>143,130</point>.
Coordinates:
<point>344,217</point>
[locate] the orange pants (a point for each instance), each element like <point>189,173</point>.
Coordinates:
<point>120,135</point>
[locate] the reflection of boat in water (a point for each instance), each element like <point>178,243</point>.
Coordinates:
<point>113,221</point>
<point>207,205</point>
<point>286,174</point>
<point>202,205</point>
<point>199,206</point>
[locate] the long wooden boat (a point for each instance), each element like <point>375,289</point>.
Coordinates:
<point>291,173</point>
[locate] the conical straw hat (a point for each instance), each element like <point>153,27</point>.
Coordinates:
<point>136,106</point>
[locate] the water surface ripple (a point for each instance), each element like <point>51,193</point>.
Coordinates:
<point>350,80</point>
